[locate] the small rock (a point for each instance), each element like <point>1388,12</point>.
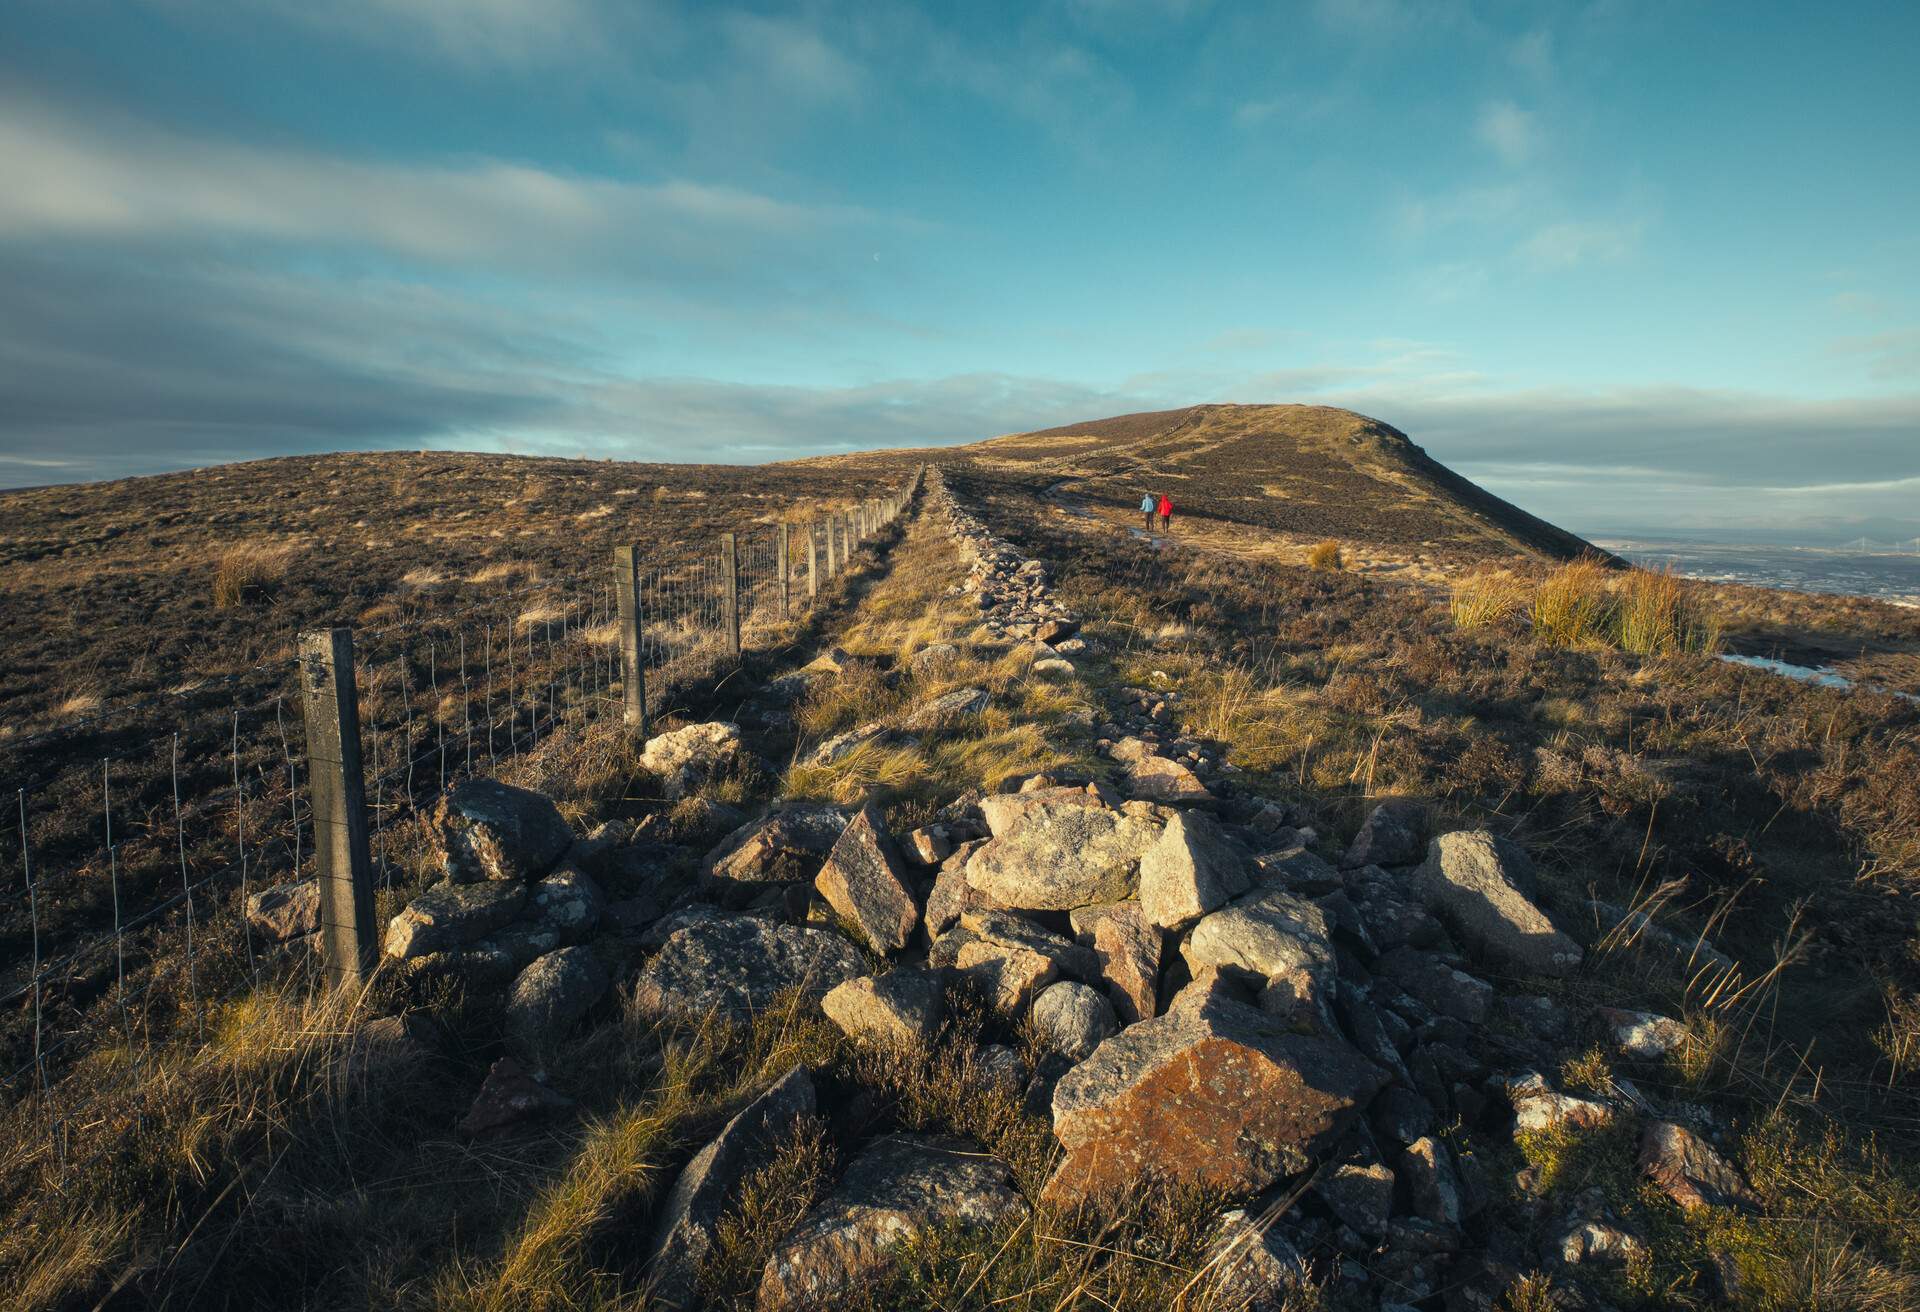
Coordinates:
<point>1073,1019</point>
<point>1432,1186</point>
<point>933,656</point>
<point>863,881</point>
<point>552,994</point>
<point>1254,1267</point>
<point>1360,1192</point>
<point>739,965</point>
<point>484,829</point>
<point>1268,939</point>
<point>1642,1034</point>
<point>1437,985</point>
<point>1538,1106</point>
<point>1009,977</point>
<point>946,708</point>
<point>1053,665</point>
<point>929,845</point>
<point>1391,836</point>
<point>1473,881</point>
<point>787,846</point>
<point>1059,850</point>
<point>1000,1066</point>
<point>285,911</point>
<point>901,1008</point>
<point>685,759</point>
<point>1127,949</point>
<point>450,915</point>
<point>1188,871</point>
<point>1686,1169</point>
<point>507,1096</point>
<point>1157,779</point>
<point>568,903</point>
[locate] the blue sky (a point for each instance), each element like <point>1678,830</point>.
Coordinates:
<point>1633,265</point>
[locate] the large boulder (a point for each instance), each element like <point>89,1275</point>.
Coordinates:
<point>1473,880</point>
<point>898,1189</point>
<point>1127,949</point>
<point>484,829</point>
<point>552,994</point>
<point>898,1009</point>
<point>1058,849</point>
<point>1217,1095</point>
<point>1189,870</point>
<point>684,759</point>
<point>1073,1019</point>
<point>787,846</point>
<point>740,965</point>
<point>285,911</point>
<point>683,1236</point>
<point>1390,836</point>
<point>449,916</point>
<point>864,882</point>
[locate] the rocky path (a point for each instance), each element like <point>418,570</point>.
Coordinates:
<point>1188,982</point>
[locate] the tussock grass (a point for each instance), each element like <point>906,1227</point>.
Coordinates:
<point>504,571</point>
<point>1485,598</point>
<point>1657,618</point>
<point>1326,555</point>
<point>1573,606</point>
<point>247,570</point>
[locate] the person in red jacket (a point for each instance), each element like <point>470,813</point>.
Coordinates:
<point>1166,512</point>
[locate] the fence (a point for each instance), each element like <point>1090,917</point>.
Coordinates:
<point>128,835</point>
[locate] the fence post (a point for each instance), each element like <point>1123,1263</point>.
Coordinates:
<point>813,562</point>
<point>633,672</point>
<point>338,785</point>
<point>786,566</point>
<point>730,591</point>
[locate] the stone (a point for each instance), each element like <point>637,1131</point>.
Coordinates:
<point>1685,1168</point>
<point>1390,836</point>
<point>484,829</point>
<point>1053,665</point>
<point>1360,1192</point>
<point>683,1236</point>
<point>1294,869</point>
<point>896,1190</point>
<point>1127,950</point>
<point>1537,1105</point>
<point>1254,1268</point>
<point>946,708</point>
<point>933,656</point>
<point>951,895</point>
<point>1158,779</point>
<point>450,915</point>
<point>1215,1095</point>
<point>1642,1034</point>
<point>740,965</point>
<point>1437,985</point>
<point>900,1008</point>
<point>834,660</point>
<point>568,903</point>
<point>843,745</point>
<point>508,1096</point>
<point>787,846</point>
<point>1266,939</point>
<point>1008,977</point>
<point>863,881</point>
<point>999,1067</point>
<point>1073,1019</point>
<point>285,911</point>
<point>1393,920</point>
<point>1188,871</point>
<point>684,759</point>
<point>1013,930</point>
<point>551,995</point>
<point>1473,880</point>
<point>1361,1022</point>
<point>1060,853</point>
<point>385,1050</point>
<point>1432,1186</point>
<point>1004,813</point>
<point>929,845</point>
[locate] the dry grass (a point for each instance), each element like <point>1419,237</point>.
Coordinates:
<point>1326,555</point>
<point>1573,606</point>
<point>1486,598</point>
<point>1658,619</point>
<point>504,571</point>
<point>247,570</point>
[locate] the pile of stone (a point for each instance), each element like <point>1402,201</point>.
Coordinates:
<point>1009,589</point>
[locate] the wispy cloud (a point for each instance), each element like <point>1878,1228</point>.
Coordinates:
<point>1573,242</point>
<point>1509,131</point>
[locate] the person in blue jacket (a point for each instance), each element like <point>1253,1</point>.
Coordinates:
<point>1146,510</point>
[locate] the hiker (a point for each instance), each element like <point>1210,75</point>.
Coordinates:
<point>1146,510</point>
<point>1166,512</point>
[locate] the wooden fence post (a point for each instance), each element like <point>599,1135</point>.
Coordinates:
<point>730,591</point>
<point>813,561</point>
<point>633,673</point>
<point>786,566</point>
<point>338,786</point>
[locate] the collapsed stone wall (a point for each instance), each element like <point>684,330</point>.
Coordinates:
<point>1223,998</point>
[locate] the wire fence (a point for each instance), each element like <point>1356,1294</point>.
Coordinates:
<point>141,832</point>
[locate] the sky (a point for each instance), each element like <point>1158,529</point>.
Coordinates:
<point>1640,267</point>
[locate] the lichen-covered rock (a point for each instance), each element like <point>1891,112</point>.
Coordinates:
<point>951,895</point>
<point>1642,1034</point>
<point>484,829</point>
<point>285,911</point>
<point>1252,1266</point>
<point>1127,949</point>
<point>1060,850</point>
<point>1474,880</point>
<point>1390,837</point>
<point>1009,977</point>
<point>945,708</point>
<point>863,881</point>
<point>739,965</point>
<point>683,1236</point>
<point>899,1188</point>
<point>1432,1187</point>
<point>1216,1095</point>
<point>552,994</point>
<point>568,903</point>
<point>1686,1168</point>
<point>1359,1191</point>
<point>1189,870</point>
<point>1294,869</point>
<point>1537,1105</point>
<point>684,759</point>
<point>1073,1019</point>
<point>449,916</point>
<point>1441,987</point>
<point>1159,779</point>
<point>787,846</point>
<point>1266,939</point>
<point>901,1008</point>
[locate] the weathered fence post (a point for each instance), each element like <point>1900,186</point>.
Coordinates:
<point>730,591</point>
<point>633,672</point>
<point>338,784</point>
<point>786,566</point>
<point>813,561</point>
